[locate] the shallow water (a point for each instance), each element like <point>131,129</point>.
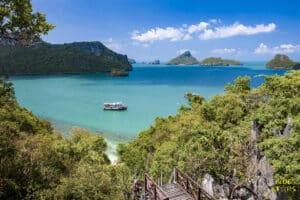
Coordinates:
<point>149,92</point>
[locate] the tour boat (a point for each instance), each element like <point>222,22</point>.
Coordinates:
<point>114,106</point>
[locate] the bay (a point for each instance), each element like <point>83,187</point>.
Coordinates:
<point>149,92</point>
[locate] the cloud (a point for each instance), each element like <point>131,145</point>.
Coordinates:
<point>113,45</point>
<point>181,51</point>
<point>198,27</point>
<point>171,33</point>
<point>224,51</point>
<point>284,48</point>
<point>262,49</point>
<point>205,30</point>
<point>235,30</point>
<point>185,32</point>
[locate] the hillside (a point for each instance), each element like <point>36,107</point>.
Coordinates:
<point>44,58</point>
<point>184,59</point>
<point>217,61</point>
<point>213,137</point>
<point>203,137</point>
<point>39,163</point>
<point>281,61</point>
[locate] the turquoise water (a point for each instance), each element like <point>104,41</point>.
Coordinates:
<point>149,92</point>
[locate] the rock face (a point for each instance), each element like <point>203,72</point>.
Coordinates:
<point>44,58</point>
<point>207,184</point>
<point>281,61</point>
<point>265,181</point>
<point>260,186</point>
<point>184,59</point>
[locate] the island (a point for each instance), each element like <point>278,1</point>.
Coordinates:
<point>217,61</point>
<point>44,58</point>
<point>155,62</point>
<point>131,61</point>
<point>115,72</point>
<point>184,59</point>
<point>281,61</point>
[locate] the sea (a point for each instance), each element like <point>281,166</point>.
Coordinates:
<point>150,91</point>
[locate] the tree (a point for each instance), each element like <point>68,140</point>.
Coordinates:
<point>214,136</point>
<point>18,23</point>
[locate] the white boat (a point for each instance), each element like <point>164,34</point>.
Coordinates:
<point>114,106</point>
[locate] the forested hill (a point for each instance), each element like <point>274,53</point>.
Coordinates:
<point>213,137</point>
<point>281,61</point>
<point>217,61</point>
<point>184,59</point>
<point>45,58</point>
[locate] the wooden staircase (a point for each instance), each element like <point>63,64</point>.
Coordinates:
<point>175,192</point>
<point>180,187</point>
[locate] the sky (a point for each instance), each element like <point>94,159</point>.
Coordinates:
<point>146,30</point>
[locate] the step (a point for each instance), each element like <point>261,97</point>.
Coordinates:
<point>176,192</point>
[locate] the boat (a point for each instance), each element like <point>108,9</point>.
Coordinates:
<point>114,106</point>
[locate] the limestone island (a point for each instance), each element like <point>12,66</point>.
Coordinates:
<point>184,59</point>
<point>115,72</point>
<point>44,58</point>
<point>217,61</point>
<point>281,61</point>
<point>155,62</point>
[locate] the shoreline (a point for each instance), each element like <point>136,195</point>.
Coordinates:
<point>112,139</point>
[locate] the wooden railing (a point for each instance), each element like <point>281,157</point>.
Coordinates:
<point>190,186</point>
<point>153,190</point>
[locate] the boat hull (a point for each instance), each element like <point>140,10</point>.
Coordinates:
<point>119,109</point>
<point>114,106</point>
<point>115,109</point>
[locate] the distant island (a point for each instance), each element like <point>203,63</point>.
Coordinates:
<point>281,61</point>
<point>155,62</point>
<point>45,58</point>
<point>184,59</point>
<point>131,61</point>
<point>187,59</point>
<point>217,61</point>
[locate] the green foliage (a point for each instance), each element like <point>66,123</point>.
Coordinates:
<point>214,136</point>
<point>281,61</point>
<point>19,23</point>
<point>118,72</point>
<point>81,57</point>
<point>241,85</point>
<point>39,164</point>
<point>219,61</point>
<point>35,162</point>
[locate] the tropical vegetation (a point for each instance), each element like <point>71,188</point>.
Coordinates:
<point>211,61</point>
<point>185,58</point>
<point>281,61</point>
<point>205,136</point>
<point>213,136</point>
<point>18,23</point>
<point>43,58</point>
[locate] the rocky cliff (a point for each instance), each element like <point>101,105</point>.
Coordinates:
<point>261,185</point>
<point>44,58</point>
<point>184,59</point>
